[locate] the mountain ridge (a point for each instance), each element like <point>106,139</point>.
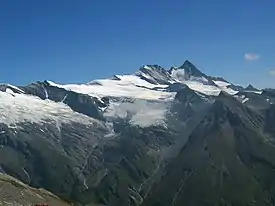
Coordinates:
<point>130,139</point>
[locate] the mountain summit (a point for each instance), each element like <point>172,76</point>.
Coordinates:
<point>190,70</point>
<point>152,80</point>
<point>251,88</point>
<point>155,137</point>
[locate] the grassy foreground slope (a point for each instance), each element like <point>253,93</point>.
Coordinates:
<point>15,193</point>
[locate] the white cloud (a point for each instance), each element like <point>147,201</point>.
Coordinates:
<point>251,56</point>
<point>272,72</point>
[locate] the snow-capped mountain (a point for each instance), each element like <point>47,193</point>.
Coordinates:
<point>150,82</point>
<point>125,140</point>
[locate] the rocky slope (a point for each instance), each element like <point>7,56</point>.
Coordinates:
<point>16,193</point>
<point>157,137</point>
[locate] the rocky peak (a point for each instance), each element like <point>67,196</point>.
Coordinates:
<point>251,88</point>
<point>191,70</point>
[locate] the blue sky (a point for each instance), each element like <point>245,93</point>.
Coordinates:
<point>77,41</point>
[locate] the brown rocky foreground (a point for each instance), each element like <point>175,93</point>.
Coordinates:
<point>16,193</point>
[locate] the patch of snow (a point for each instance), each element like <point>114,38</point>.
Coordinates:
<point>46,93</point>
<point>16,88</point>
<point>147,67</point>
<point>110,127</point>
<point>224,87</point>
<point>269,101</point>
<point>132,79</point>
<point>230,91</point>
<point>203,88</point>
<point>256,92</point>
<point>85,184</point>
<point>221,83</point>
<point>64,98</point>
<point>179,75</point>
<point>139,112</point>
<point>51,83</point>
<point>18,108</point>
<point>9,91</point>
<point>109,135</point>
<point>199,79</point>
<point>103,109</point>
<point>100,100</point>
<point>245,100</point>
<point>145,75</point>
<point>241,98</point>
<point>27,174</point>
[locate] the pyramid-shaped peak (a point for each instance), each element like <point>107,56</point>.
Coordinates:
<point>251,88</point>
<point>188,63</point>
<point>191,69</point>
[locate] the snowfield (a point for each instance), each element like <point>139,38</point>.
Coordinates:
<point>139,112</point>
<point>16,108</point>
<point>134,87</point>
<point>128,86</point>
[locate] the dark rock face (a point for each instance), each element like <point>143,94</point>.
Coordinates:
<point>212,150</point>
<point>154,74</point>
<point>78,102</point>
<point>251,88</point>
<point>191,70</point>
<point>226,161</point>
<point>43,156</point>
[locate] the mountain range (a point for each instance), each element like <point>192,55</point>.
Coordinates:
<point>158,137</point>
